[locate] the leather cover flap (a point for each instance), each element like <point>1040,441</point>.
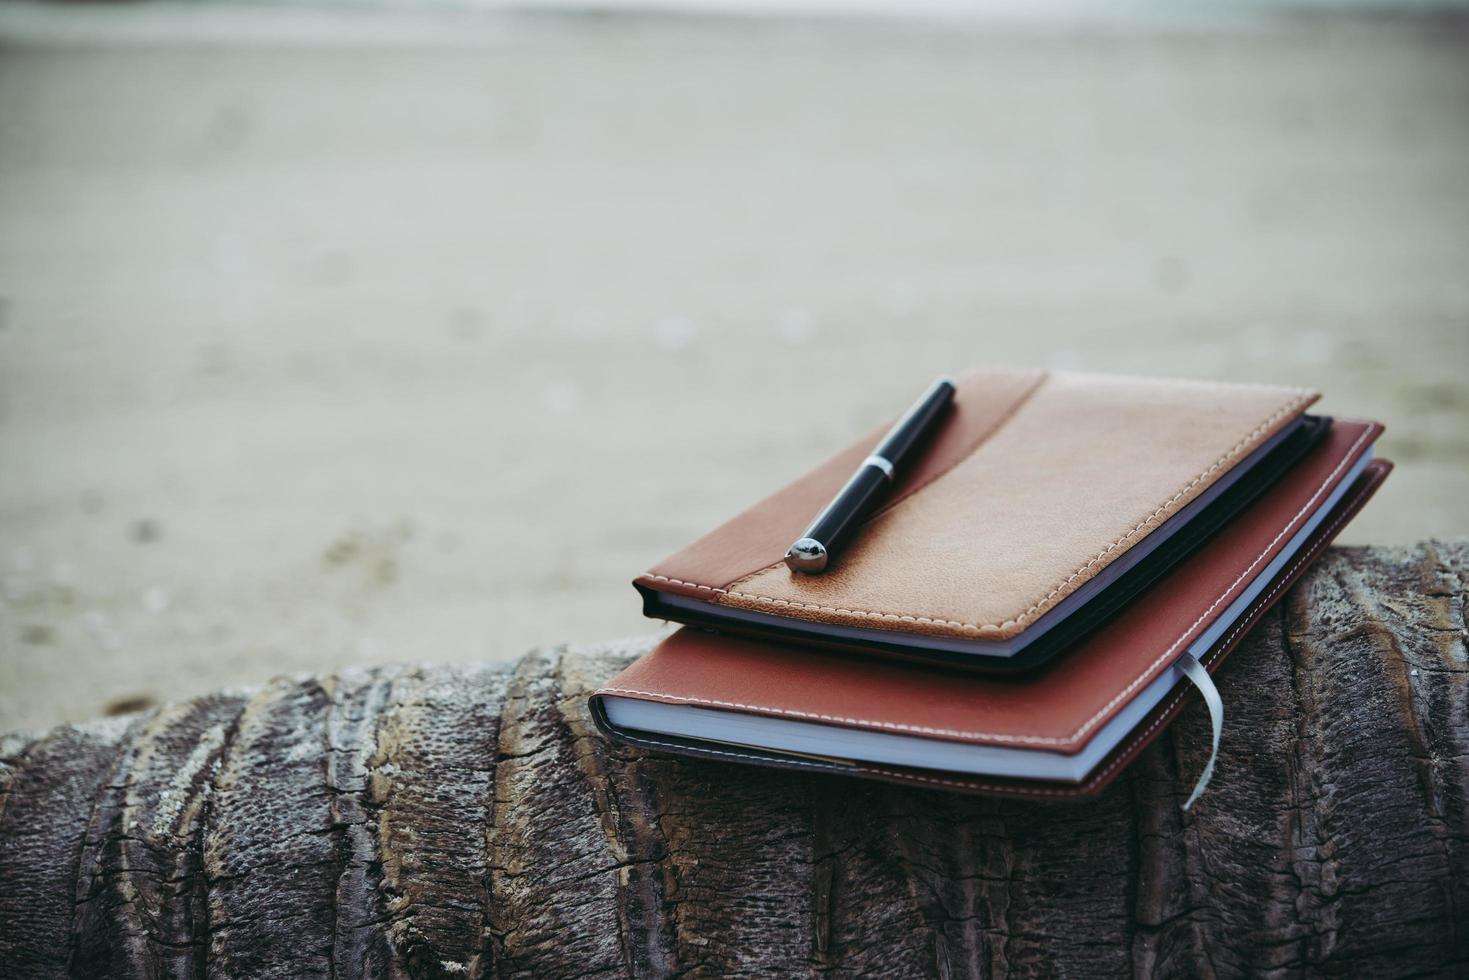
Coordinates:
<point>1034,484</point>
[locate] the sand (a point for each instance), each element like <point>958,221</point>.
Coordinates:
<point>343,344</point>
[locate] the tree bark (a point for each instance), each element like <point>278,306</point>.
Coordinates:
<point>444,822</point>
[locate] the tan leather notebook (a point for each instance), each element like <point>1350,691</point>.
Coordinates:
<point>1062,731</point>
<point>1045,502</point>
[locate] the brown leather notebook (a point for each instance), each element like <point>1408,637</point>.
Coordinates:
<point>1062,731</point>
<point>1044,503</point>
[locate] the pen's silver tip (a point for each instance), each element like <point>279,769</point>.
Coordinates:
<point>807,555</point>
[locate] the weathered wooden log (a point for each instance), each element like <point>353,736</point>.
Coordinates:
<point>468,822</point>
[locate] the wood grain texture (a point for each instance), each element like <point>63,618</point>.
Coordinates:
<point>435,822</point>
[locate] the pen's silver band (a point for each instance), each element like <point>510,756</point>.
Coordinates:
<point>881,463</point>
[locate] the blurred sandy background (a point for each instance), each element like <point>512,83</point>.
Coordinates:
<point>342,336</point>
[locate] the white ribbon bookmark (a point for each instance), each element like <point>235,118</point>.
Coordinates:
<point>1195,672</point>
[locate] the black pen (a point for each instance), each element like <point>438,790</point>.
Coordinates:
<point>855,501</point>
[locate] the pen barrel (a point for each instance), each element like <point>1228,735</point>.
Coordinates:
<point>849,508</point>
<point>910,430</point>
<point>859,497</point>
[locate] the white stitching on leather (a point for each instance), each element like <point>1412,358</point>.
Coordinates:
<point>1091,722</point>
<point>1026,615</point>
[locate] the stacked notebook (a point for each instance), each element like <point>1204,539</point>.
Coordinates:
<point>1068,559</point>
